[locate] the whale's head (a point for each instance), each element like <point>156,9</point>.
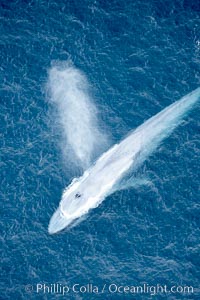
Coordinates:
<point>73,205</point>
<point>59,221</point>
<point>70,208</point>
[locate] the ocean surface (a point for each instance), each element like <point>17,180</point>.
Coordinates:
<point>137,57</point>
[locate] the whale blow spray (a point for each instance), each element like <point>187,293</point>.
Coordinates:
<point>69,92</point>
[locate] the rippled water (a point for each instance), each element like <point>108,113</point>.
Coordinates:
<point>138,58</point>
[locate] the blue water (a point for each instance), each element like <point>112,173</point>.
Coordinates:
<point>139,57</point>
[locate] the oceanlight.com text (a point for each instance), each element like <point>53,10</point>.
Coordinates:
<point>111,288</point>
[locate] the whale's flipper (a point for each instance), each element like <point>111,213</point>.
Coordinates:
<point>132,182</point>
